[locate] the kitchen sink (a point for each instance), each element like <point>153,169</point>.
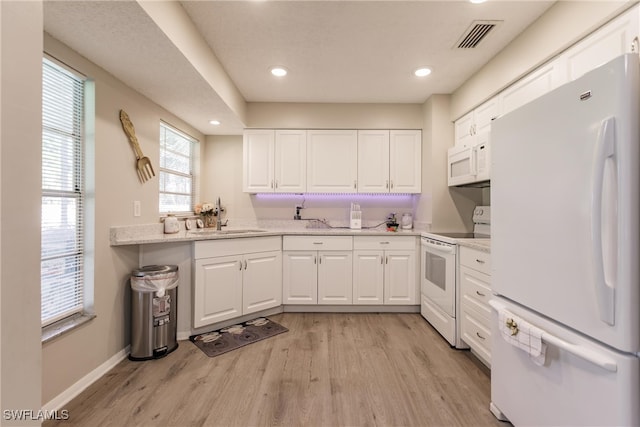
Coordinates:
<point>214,232</point>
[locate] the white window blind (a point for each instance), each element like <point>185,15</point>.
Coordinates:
<point>62,193</point>
<point>176,170</point>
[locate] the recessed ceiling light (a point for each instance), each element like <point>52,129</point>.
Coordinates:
<point>279,71</point>
<point>477,1</point>
<point>214,122</point>
<point>422,72</point>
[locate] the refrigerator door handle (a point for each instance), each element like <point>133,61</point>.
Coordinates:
<point>605,149</point>
<point>582,352</point>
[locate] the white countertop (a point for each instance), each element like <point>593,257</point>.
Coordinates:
<point>483,245</point>
<point>153,233</point>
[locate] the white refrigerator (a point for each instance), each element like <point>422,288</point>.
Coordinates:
<point>565,198</point>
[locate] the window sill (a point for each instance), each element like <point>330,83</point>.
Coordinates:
<point>53,331</point>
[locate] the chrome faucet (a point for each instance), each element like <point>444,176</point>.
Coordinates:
<point>219,213</point>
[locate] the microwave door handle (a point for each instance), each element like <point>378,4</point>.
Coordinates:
<point>474,161</point>
<point>439,248</point>
<point>605,149</point>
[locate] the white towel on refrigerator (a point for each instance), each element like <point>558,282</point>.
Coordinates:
<point>523,335</point>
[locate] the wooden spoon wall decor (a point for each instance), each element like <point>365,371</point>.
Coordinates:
<point>143,164</point>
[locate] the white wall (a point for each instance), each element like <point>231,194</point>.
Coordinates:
<point>70,357</point>
<point>20,201</point>
<point>334,116</point>
<point>446,209</point>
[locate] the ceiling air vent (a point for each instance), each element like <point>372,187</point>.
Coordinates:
<point>476,33</point>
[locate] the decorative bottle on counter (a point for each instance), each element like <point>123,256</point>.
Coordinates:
<point>171,225</point>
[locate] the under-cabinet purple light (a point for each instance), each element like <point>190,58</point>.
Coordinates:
<point>399,197</point>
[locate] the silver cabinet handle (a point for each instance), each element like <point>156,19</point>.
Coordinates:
<point>276,183</point>
<point>240,264</point>
<point>245,264</point>
<point>387,261</point>
<point>480,336</point>
<point>392,184</point>
<point>320,259</point>
<point>384,243</point>
<point>480,293</point>
<point>315,260</point>
<point>387,184</point>
<point>355,185</point>
<point>318,243</point>
<point>271,183</point>
<point>479,261</point>
<point>381,260</point>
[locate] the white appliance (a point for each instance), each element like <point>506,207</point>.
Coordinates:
<point>469,165</point>
<point>440,300</point>
<point>572,273</point>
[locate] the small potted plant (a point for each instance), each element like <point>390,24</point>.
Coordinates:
<point>208,213</point>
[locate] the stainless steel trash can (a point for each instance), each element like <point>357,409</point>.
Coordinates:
<point>154,299</point>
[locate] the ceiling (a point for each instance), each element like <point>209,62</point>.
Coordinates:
<point>335,51</point>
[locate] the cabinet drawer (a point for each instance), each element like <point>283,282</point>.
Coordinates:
<point>237,246</point>
<point>476,290</point>
<point>317,243</point>
<point>478,260</point>
<point>477,334</point>
<point>385,243</point>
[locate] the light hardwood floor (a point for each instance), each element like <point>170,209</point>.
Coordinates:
<point>328,370</point>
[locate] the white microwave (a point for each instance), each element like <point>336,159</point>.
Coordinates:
<point>469,165</point>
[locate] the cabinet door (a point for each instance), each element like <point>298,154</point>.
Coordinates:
<point>368,277</point>
<point>258,148</point>
<point>262,281</point>
<point>464,131</point>
<point>291,161</point>
<point>610,41</point>
<point>484,114</point>
<point>335,274</point>
<point>405,156</point>
<point>332,161</point>
<point>532,86</point>
<point>300,277</point>
<point>373,161</point>
<point>217,292</point>
<point>400,278</point>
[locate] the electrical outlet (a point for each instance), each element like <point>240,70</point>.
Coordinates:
<point>136,208</point>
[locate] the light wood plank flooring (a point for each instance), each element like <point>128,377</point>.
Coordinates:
<point>328,370</point>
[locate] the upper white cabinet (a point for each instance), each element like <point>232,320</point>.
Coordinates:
<point>389,161</point>
<point>332,161</point>
<point>291,161</point>
<point>258,156</point>
<point>474,127</point>
<point>405,161</point>
<point>274,161</point>
<point>613,39</point>
<point>373,161</point>
<point>532,86</point>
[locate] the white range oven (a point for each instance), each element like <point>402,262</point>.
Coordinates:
<point>439,285</point>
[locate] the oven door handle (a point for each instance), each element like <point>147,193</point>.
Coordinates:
<point>439,248</point>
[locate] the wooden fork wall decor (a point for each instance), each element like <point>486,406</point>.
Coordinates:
<point>143,164</point>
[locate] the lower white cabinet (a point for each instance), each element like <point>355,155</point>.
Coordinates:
<point>385,270</point>
<point>317,269</point>
<point>475,288</point>
<point>234,277</point>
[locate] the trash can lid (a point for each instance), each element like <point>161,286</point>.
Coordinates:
<point>150,270</point>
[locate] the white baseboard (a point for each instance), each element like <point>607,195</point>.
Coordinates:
<point>58,402</point>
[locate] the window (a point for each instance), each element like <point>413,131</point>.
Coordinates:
<point>176,170</point>
<point>63,194</point>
